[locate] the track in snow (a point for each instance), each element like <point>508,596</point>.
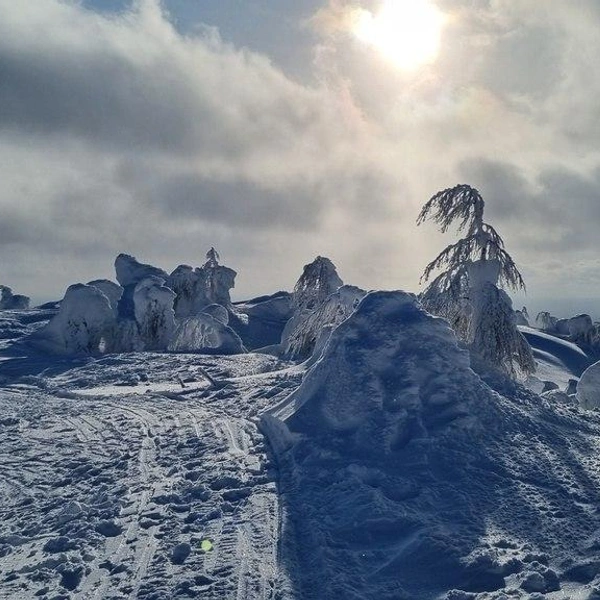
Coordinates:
<point>107,496</point>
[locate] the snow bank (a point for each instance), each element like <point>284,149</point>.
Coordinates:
<point>588,388</point>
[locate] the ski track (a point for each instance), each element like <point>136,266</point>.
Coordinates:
<point>110,497</point>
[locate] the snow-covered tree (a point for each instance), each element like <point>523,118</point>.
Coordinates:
<point>471,271</point>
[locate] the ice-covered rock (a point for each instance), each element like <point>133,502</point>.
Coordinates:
<point>319,279</point>
<point>130,271</point>
<point>10,301</point>
<point>84,324</point>
<point>205,334</point>
<point>153,310</point>
<point>303,331</point>
<point>588,388</point>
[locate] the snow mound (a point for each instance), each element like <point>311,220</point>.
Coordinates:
<point>405,476</point>
<point>588,388</point>
<point>207,334</point>
<point>10,301</point>
<point>130,271</point>
<point>418,378</point>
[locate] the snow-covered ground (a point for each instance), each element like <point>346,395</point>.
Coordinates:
<point>392,471</point>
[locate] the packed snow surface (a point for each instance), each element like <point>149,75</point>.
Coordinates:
<point>388,470</point>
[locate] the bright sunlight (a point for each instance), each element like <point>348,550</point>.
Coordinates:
<point>406,32</point>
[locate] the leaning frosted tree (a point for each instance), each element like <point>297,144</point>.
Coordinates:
<point>466,281</point>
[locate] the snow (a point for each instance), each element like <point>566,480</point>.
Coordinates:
<point>206,334</point>
<point>130,272</point>
<point>588,389</point>
<point>319,279</point>
<point>84,322</point>
<point>10,301</point>
<point>384,467</point>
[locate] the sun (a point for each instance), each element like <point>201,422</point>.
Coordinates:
<point>406,32</point>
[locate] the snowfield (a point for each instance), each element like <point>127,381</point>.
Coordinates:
<point>385,470</point>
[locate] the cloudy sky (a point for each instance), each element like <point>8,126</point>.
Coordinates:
<point>278,130</point>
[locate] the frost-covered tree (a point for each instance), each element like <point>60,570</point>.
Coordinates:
<point>466,290</point>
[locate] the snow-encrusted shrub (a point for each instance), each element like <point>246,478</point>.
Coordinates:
<point>461,292</point>
<point>10,301</point>
<point>130,272</point>
<point>581,329</point>
<point>204,333</point>
<point>197,288</point>
<point>300,340</point>
<point>111,290</point>
<point>153,310</point>
<point>319,279</point>
<point>84,324</point>
<point>545,321</point>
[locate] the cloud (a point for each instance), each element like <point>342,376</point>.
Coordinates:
<point>120,133</point>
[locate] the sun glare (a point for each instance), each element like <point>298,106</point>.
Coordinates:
<point>406,32</point>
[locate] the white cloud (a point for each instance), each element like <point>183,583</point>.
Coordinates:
<point>118,133</point>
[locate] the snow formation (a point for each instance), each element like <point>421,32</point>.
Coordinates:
<point>84,324</point>
<point>319,279</point>
<point>405,476</point>
<point>303,331</point>
<point>207,334</point>
<point>10,301</point>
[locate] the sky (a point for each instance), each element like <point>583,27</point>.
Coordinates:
<point>273,131</point>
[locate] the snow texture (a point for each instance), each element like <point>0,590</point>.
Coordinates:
<point>394,472</point>
<point>404,476</point>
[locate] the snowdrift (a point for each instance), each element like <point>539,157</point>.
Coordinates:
<point>404,475</point>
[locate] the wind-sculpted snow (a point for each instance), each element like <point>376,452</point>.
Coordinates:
<point>203,333</point>
<point>405,476</point>
<point>130,272</point>
<point>84,323</point>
